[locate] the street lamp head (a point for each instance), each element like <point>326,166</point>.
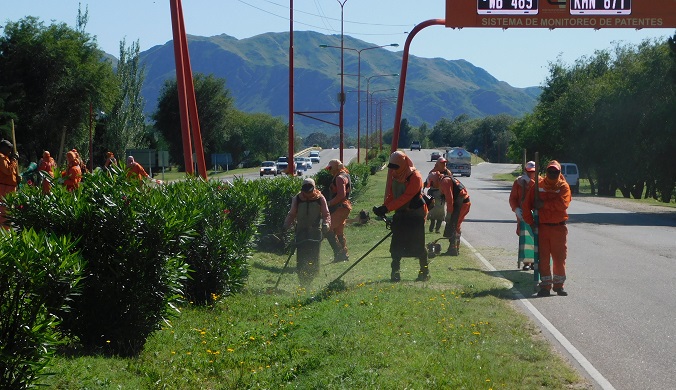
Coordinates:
<point>394,44</point>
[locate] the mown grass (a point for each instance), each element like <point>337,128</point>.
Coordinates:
<point>457,331</point>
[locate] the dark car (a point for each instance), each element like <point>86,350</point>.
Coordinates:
<point>435,156</point>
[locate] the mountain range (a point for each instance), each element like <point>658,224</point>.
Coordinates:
<point>257,75</point>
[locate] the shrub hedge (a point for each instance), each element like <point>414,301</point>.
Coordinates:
<point>39,273</point>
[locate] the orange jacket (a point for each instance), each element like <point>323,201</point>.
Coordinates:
<point>446,186</point>
<point>136,171</point>
<point>555,197</point>
<point>414,185</point>
<point>72,177</point>
<point>9,171</point>
<point>519,189</point>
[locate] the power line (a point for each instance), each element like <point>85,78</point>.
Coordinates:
<point>327,18</point>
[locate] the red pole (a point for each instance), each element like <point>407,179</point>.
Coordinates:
<point>341,113</point>
<point>359,106</point>
<point>91,141</point>
<point>402,77</point>
<point>180,84</point>
<point>402,86</point>
<point>191,100</point>
<point>291,164</point>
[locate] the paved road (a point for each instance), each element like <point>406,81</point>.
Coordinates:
<point>620,314</point>
<point>326,156</point>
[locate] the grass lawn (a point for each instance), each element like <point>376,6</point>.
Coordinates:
<point>460,330</point>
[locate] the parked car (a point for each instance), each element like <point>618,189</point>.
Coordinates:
<point>435,156</point>
<point>282,164</point>
<point>415,145</point>
<point>268,168</point>
<point>314,157</point>
<point>572,175</point>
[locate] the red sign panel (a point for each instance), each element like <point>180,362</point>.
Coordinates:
<point>561,13</point>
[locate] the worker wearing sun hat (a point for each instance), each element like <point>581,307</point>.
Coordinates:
<point>308,210</point>
<point>438,213</point>
<point>554,198</point>
<point>340,207</point>
<point>523,230</point>
<point>408,223</point>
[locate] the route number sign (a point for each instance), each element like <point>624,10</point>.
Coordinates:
<point>552,14</point>
<point>507,7</point>
<point>600,7</point>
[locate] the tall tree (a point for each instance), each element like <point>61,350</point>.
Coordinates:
<point>51,75</point>
<point>214,104</point>
<point>124,127</point>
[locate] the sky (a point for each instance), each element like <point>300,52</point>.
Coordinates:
<point>520,57</point>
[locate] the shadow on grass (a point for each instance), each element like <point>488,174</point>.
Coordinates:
<point>625,219</point>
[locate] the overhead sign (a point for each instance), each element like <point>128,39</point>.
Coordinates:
<point>561,13</point>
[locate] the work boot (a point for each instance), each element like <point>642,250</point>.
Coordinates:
<point>331,238</point>
<point>395,277</point>
<point>544,292</point>
<point>341,253</point>
<point>423,276</point>
<point>561,292</point>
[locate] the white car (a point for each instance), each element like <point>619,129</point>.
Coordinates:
<point>572,175</point>
<point>308,162</point>
<point>268,168</point>
<point>300,163</point>
<point>314,157</point>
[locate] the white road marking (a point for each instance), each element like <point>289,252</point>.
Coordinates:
<point>586,365</point>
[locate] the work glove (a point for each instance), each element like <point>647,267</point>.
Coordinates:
<point>380,211</point>
<point>325,230</point>
<point>519,213</point>
<point>14,156</point>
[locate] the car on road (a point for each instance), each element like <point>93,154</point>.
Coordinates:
<point>301,164</point>
<point>572,175</point>
<point>435,156</point>
<point>268,168</point>
<point>282,164</point>
<point>308,162</point>
<point>415,145</point>
<point>314,157</point>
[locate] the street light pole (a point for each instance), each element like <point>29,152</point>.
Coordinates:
<point>358,83</point>
<point>342,85</point>
<point>368,85</point>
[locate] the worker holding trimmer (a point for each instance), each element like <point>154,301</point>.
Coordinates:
<point>552,206</point>
<point>310,212</point>
<point>408,223</point>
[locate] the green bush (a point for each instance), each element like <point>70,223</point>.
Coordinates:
<point>38,275</point>
<point>275,202</point>
<point>225,225</point>
<point>131,243</point>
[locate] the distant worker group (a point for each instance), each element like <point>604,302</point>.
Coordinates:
<point>44,173</point>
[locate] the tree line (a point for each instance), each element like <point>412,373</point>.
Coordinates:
<point>613,113</point>
<point>63,92</point>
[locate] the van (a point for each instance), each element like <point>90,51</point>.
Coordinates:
<point>572,175</point>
